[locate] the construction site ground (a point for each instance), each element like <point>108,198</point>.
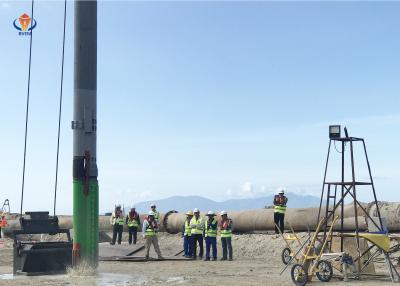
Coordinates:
<point>257,261</point>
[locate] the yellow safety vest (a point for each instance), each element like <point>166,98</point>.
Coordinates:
<point>188,229</point>
<point>209,232</point>
<point>198,225</point>
<point>132,222</point>
<point>114,220</point>
<point>281,208</point>
<point>156,216</point>
<point>226,232</point>
<point>150,231</point>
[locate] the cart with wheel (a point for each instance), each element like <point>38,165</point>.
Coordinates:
<point>291,240</point>
<point>311,263</point>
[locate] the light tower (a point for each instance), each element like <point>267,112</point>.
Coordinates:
<point>84,125</point>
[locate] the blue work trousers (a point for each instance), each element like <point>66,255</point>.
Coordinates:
<point>211,242</point>
<point>187,245</point>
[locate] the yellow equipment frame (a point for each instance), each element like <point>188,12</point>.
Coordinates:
<point>309,258</point>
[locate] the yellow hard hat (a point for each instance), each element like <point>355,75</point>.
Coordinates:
<point>189,213</point>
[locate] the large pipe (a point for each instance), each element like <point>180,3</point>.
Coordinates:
<point>84,125</point>
<point>301,219</point>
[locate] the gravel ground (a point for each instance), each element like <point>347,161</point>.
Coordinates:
<point>257,261</point>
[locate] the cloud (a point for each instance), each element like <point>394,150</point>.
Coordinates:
<point>373,120</point>
<point>5,4</point>
<point>145,195</point>
<point>247,188</point>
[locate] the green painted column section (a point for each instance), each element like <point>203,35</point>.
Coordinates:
<point>86,221</point>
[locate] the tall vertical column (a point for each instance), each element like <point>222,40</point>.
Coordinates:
<point>84,125</point>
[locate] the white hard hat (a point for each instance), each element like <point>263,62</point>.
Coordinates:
<point>152,205</point>
<point>196,210</point>
<point>151,213</point>
<point>281,191</point>
<point>224,213</point>
<point>211,213</point>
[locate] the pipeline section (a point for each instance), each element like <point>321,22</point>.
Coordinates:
<point>300,219</point>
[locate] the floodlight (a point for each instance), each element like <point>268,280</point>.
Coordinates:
<point>334,131</point>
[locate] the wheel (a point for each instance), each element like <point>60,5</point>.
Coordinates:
<point>286,255</point>
<point>324,271</point>
<point>299,275</point>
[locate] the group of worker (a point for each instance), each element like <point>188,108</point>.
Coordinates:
<point>196,229</point>
<point>150,227</point>
<point>132,220</point>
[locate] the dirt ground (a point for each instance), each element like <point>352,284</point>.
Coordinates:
<point>257,261</point>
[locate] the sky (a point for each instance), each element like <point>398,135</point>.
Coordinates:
<point>218,99</point>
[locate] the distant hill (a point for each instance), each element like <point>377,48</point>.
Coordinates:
<point>184,203</point>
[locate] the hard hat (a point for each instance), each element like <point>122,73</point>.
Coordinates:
<point>281,191</point>
<point>224,213</point>
<point>189,213</point>
<point>153,205</point>
<point>196,210</point>
<point>211,213</point>
<point>151,213</point>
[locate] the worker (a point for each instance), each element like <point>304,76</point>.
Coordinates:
<point>133,221</point>
<point>156,213</point>
<point>225,227</point>
<point>210,233</point>
<point>117,221</point>
<point>280,201</point>
<point>187,235</point>
<point>150,231</point>
<point>3,224</point>
<point>197,226</point>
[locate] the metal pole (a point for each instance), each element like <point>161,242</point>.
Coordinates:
<point>373,187</point>
<point>323,183</point>
<point>355,201</point>
<point>342,205</point>
<point>84,125</point>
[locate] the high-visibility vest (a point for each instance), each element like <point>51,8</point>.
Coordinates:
<point>280,208</point>
<point>197,225</point>
<point>226,230</point>
<point>157,216</point>
<point>117,220</point>
<point>133,222</point>
<point>188,229</point>
<point>209,232</point>
<point>150,231</point>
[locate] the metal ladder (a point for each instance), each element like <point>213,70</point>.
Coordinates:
<point>329,214</point>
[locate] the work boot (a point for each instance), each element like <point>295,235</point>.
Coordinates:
<point>230,259</point>
<point>112,243</point>
<point>214,259</point>
<point>207,259</point>
<point>223,259</point>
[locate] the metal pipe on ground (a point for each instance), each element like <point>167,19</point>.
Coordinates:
<point>301,219</point>
<point>67,223</point>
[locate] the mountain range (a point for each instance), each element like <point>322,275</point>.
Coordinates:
<point>184,203</point>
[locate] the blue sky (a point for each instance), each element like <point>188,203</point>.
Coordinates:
<point>219,99</point>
